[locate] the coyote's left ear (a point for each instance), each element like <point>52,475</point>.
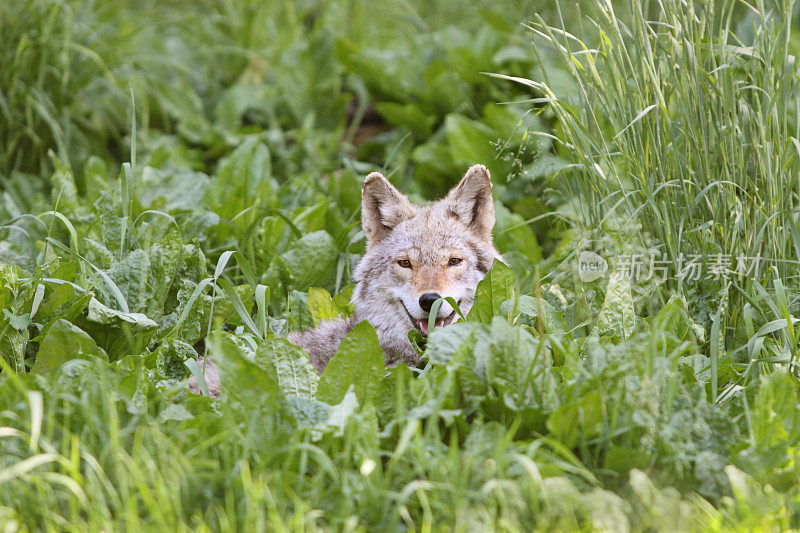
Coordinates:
<point>471,201</point>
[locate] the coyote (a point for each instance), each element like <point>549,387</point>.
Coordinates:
<point>415,255</point>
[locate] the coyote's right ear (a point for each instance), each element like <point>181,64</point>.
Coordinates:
<point>382,207</point>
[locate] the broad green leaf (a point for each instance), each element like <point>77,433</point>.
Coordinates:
<point>470,141</point>
<point>622,459</point>
<point>145,276</point>
<point>407,115</point>
<point>321,305</point>
<point>112,225</point>
<point>359,361</point>
<point>341,412</point>
<point>312,261</point>
<point>776,414</point>
<point>252,395</point>
<point>379,69</point>
<point>62,301</point>
<point>342,302</point>
<point>313,218</point>
<point>607,510</point>
<point>133,383</point>
<point>309,413</point>
<point>393,401</point>
<point>581,420</point>
<point>323,418</point>
<point>116,332</point>
<point>174,411</point>
<point>241,312</point>
<point>674,317</point>
<point>171,189</point>
<point>695,367</point>
<point>552,320</point>
<point>493,290</point>
<point>504,119</point>
<point>433,161</point>
<point>17,322</point>
<point>300,317</point>
<point>444,343</point>
<point>290,366</point>
<point>12,346</point>
<point>235,101</point>
<point>243,179</point>
<point>193,311</point>
<point>101,314</point>
<point>546,165</point>
<point>170,358</point>
<point>512,234</point>
<point>64,341</point>
<point>165,260</point>
<point>617,315</point>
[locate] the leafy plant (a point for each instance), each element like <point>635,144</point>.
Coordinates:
<point>241,132</point>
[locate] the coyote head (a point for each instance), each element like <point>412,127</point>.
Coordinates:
<point>417,254</point>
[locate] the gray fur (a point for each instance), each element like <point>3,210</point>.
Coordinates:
<point>211,376</point>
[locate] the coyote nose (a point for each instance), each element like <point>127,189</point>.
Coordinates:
<point>427,299</point>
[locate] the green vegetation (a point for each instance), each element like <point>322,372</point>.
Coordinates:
<point>184,179</point>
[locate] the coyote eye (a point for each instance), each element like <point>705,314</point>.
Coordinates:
<point>405,263</point>
<point>454,261</point>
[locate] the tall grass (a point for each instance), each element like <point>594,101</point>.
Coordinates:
<point>100,462</point>
<point>686,128</point>
<point>50,64</point>
<point>67,67</point>
<point>686,123</point>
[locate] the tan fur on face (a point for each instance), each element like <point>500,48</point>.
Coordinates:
<point>434,274</point>
<point>431,279</point>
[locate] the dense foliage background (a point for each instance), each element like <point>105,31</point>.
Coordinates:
<point>183,179</point>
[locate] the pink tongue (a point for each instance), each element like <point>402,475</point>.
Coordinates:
<point>423,325</point>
